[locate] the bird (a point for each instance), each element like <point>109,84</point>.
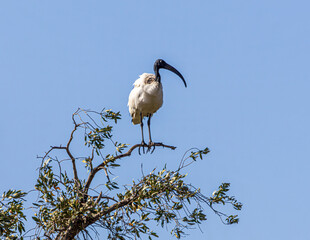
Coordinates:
<point>146,97</point>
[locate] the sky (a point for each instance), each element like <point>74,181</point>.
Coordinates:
<point>246,64</point>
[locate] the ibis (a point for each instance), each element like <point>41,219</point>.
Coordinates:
<point>146,97</point>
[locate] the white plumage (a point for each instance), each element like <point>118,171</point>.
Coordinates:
<point>145,98</point>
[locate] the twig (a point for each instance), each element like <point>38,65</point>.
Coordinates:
<point>51,149</point>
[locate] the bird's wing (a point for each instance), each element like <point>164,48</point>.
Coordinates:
<point>133,100</point>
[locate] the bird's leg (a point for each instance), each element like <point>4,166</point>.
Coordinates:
<point>150,137</point>
<point>143,144</point>
<point>148,125</point>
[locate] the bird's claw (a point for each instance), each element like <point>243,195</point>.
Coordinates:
<point>143,145</point>
<point>149,147</point>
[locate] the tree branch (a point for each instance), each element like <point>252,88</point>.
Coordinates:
<point>74,228</point>
<point>69,153</point>
<point>127,154</point>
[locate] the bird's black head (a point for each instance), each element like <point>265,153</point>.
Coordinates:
<point>159,63</point>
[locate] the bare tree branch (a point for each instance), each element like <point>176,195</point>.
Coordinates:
<point>76,178</point>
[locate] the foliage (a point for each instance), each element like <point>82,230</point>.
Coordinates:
<point>69,207</point>
<point>11,214</point>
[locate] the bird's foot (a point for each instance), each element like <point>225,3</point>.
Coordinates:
<point>149,147</point>
<point>143,145</point>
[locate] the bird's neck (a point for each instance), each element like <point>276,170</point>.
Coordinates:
<point>157,76</point>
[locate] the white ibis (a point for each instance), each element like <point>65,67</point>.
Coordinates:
<point>147,97</point>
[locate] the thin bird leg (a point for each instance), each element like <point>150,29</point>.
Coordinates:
<point>142,143</point>
<point>148,124</point>
<point>150,137</point>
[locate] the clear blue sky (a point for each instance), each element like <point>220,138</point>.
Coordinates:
<point>247,68</point>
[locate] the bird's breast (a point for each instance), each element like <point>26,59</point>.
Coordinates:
<point>154,89</point>
<point>151,98</point>
<point>145,98</point>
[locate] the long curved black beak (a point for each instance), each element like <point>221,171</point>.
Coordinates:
<point>172,69</point>
<point>159,63</point>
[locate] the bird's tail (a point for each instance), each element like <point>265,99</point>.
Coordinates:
<point>135,117</point>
